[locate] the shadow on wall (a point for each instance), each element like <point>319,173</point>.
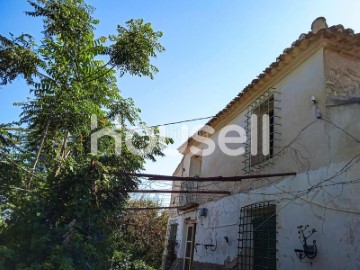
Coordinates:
<point>177,265</point>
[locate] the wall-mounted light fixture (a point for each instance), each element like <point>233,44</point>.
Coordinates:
<point>313,99</point>
<point>308,251</point>
<point>317,109</point>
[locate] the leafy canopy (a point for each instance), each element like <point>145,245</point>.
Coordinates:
<point>60,205</point>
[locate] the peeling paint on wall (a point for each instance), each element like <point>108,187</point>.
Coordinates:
<point>342,78</point>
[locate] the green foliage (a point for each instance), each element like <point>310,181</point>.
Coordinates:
<point>142,232</point>
<point>5,136</point>
<point>141,41</point>
<point>17,58</point>
<point>123,261</point>
<point>59,204</point>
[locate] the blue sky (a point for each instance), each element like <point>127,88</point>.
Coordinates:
<point>213,50</point>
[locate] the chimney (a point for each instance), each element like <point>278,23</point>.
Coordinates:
<point>318,24</point>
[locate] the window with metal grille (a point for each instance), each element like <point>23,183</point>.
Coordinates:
<point>188,197</point>
<point>257,237</point>
<point>170,254</point>
<point>261,121</point>
<point>262,131</point>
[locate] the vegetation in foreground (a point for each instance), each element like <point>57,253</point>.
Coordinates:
<point>61,207</point>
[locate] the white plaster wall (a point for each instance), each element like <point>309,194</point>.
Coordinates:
<point>332,209</point>
<point>307,143</point>
<point>296,112</point>
<point>316,153</point>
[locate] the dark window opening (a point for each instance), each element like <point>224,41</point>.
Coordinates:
<point>170,254</point>
<point>257,237</point>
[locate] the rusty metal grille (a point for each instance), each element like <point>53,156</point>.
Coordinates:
<point>257,237</point>
<point>267,104</point>
<point>170,252</point>
<point>185,199</point>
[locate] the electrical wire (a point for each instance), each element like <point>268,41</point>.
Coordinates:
<point>153,126</point>
<point>182,121</point>
<point>296,157</point>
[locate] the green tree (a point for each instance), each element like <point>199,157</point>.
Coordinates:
<point>58,202</point>
<point>142,233</point>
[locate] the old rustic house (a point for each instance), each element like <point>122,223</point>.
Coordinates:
<point>301,121</point>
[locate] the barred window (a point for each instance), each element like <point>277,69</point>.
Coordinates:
<point>257,237</point>
<point>170,254</point>
<point>262,131</point>
<point>262,120</point>
<point>188,198</point>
